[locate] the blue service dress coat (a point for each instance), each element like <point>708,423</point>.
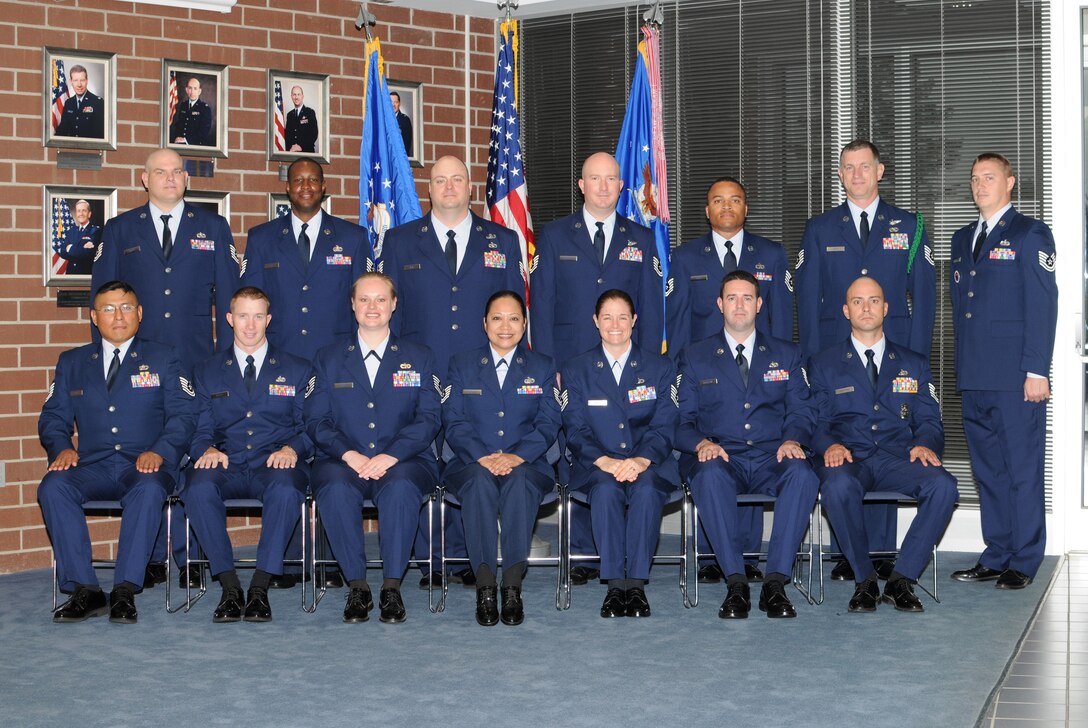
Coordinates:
<point>177,294</point>
<point>521,417</point>
<point>567,280</point>
<point>832,258</point>
<point>636,418</point>
<point>437,308</point>
<point>300,127</point>
<point>74,249</point>
<point>399,415</point>
<point>248,427</point>
<point>149,408</point>
<point>749,421</point>
<point>880,425</point>
<point>83,119</point>
<point>311,304</point>
<point>193,122</point>
<point>696,276</point>
<point>1005,309</point>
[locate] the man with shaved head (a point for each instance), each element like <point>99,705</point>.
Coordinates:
<point>578,258</point>
<point>445,266</point>
<point>300,127</point>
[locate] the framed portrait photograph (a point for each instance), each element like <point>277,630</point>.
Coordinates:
<point>217,202</point>
<point>194,108</point>
<point>407,100</point>
<point>72,221</point>
<point>279,205</point>
<point>79,106</point>
<point>298,116</point>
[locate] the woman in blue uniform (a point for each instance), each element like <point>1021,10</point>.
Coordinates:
<point>501,418</point>
<point>620,415</point>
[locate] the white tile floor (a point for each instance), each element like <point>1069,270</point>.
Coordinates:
<point>1047,683</point>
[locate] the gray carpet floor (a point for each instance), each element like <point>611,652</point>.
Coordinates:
<point>572,668</point>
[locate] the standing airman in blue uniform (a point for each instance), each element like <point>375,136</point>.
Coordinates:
<point>80,241</point>
<point>501,418</point>
<point>1005,308</point>
<point>250,442</point>
<point>619,412</point>
<point>879,428</point>
<point>578,258</point>
<point>746,424</point>
<point>865,236</point>
<point>695,276</point>
<point>133,408</point>
<point>373,416</point>
<point>445,265</point>
<point>192,122</point>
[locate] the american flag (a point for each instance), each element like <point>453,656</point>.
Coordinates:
<point>60,92</point>
<point>279,120</point>
<point>173,96</point>
<point>62,220</point>
<point>507,192</point>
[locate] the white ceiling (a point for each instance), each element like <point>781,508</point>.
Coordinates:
<point>479,8</point>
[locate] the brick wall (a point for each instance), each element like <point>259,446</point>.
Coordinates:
<point>417,46</point>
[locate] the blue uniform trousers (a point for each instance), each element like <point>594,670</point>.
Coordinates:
<point>398,495</point>
<point>484,497</point>
<point>62,494</point>
<point>1006,437</point>
<point>842,489</point>
<point>281,492</point>
<point>715,485</point>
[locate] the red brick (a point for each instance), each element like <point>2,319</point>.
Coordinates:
<point>60,37</point>
<point>36,538</point>
<point>119,44</point>
<point>267,19</point>
<point>23,13</point>
<point>384,14</point>
<point>441,21</point>
<point>223,55</point>
<point>23,561</point>
<point>10,540</point>
<point>15,516</point>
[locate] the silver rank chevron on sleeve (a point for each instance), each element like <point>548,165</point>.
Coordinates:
<point>800,259</point>
<point>929,255</point>
<point>933,393</point>
<point>437,385</point>
<point>52,386</point>
<point>98,252</point>
<point>561,398</point>
<point>669,286</point>
<point>369,265</point>
<point>789,280</point>
<point>674,390</point>
<point>534,264</point>
<point>187,386</point>
<point>234,254</point>
<point>804,375</point>
<point>1047,261</point>
<point>310,387</point>
<point>657,267</point>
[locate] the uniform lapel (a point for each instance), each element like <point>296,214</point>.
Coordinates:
<point>728,358</point>
<point>855,365</point>
<point>889,369</point>
<point>605,380</point>
<point>759,362</point>
<point>618,241</point>
<point>353,363</point>
<point>516,374</point>
<point>488,375</point>
<point>433,248</point>
<point>583,238</point>
<point>848,232</point>
<point>474,252</point>
<point>96,373</point>
<point>994,237</point>
<point>711,263</point>
<point>148,238</point>
<point>290,246</point>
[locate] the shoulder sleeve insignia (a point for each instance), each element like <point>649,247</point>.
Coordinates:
<point>657,268</point>
<point>1047,261</point>
<point>789,281</point>
<point>534,264</point>
<point>929,255</point>
<point>369,265</point>
<point>674,390</point>
<point>310,387</point>
<point>804,375</point>
<point>800,259</point>
<point>381,267</point>
<point>445,393</point>
<point>98,253</point>
<point>933,393</point>
<point>561,398</point>
<point>187,386</point>
<point>437,384</point>
<point>670,286</point>
<point>52,386</point>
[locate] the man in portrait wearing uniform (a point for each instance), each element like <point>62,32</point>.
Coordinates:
<point>300,127</point>
<point>83,115</point>
<point>879,428</point>
<point>80,241</point>
<point>746,424</point>
<point>250,442</point>
<point>373,415</point>
<point>578,258</point>
<point>403,121</point>
<point>132,406</point>
<point>692,313</point>
<point>1005,308</point>
<point>445,266</point>
<point>192,119</point>
<point>865,236</point>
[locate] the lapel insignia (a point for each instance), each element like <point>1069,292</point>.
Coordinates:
<point>484,360</point>
<point>762,347</point>
<point>189,214</point>
<point>623,229</point>
<point>285,231</point>
<point>849,355</point>
<point>338,249</point>
<point>424,229</point>
<point>577,226</point>
<point>281,380</point>
<point>351,347</point>
<point>706,249</point>
<point>393,347</point>
<point>1001,223</point>
<point>228,362</point>
<point>327,231</point>
<point>892,355</point>
<point>143,215</point>
<point>519,360</point>
<point>479,228</point>
<point>405,365</point>
<point>132,354</point>
<point>600,365</point>
<point>272,361</point>
<point>719,352</point>
<point>880,216</point>
<point>634,364</point>
<point>94,355</point>
<point>751,249</point>
<point>846,218</point>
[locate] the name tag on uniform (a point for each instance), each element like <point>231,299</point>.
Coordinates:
<point>530,389</point>
<point>466,392</point>
<point>343,385</point>
<point>494,259</point>
<point>281,390</point>
<point>412,266</point>
<point>270,266</point>
<point>597,403</point>
<point>407,378</point>
<point>897,241</point>
<point>632,254</point>
<point>75,393</point>
<point>844,390</point>
<point>144,380</point>
<point>763,276</point>
<point>198,244</point>
<point>571,258</point>
<point>776,375</point>
<point>218,395</point>
<point>698,278</point>
<point>835,249</point>
<point>641,394</point>
<point>905,385</point>
<point>704,382</point>
<point>1002,254</point>
<point>338,259</point>
<point>129,251</point>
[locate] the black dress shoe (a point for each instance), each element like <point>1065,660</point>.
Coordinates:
<point>738,602</point>
<point>357,606</point>
<point>637,603</point>
<point>1012,579</point>
<point>333,579</point>
<point>283,581</point>
<point>83,604</point>
<point>154,574</point>
<point>842,571</point>
<point>581,575</point>
<point>884,568</point>
<point>465,576</point>
<point>900,594</point>
<point>978,572</point>
<point>866,597</point>
<point>513,611</point>
<point>615,603</point>
<point>752,573</point>
<point>122,606</point>
<point>773,601</point>
<point>392,606</point>
<point>710,574</point>
<point>257,607</point>
<point>230,606</point>
<point>487,607</point>
<point>189,576</point>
